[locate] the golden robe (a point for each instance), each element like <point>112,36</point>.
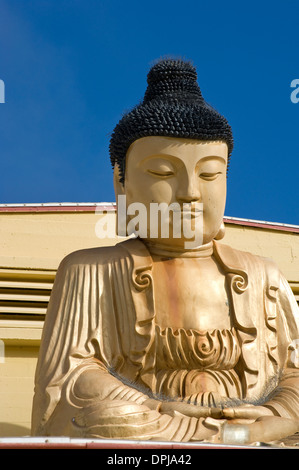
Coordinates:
<point>101,315</point>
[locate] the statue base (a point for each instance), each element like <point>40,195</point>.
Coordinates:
<point>127,445</point>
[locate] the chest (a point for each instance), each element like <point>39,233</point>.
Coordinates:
<point>190,294</point>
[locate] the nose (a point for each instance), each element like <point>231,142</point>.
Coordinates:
<point>188,189</point>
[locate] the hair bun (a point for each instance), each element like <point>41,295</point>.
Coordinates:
<point>171,78</point>
<point>173,106</point>
<point>170,69</point>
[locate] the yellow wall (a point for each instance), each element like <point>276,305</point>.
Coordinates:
<point>16,388</point>
<point>33,240</point>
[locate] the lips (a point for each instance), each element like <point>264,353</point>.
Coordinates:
<point>190,210</point>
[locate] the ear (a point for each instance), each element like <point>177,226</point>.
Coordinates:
<point>221,232</point>
<point>121,216</point>
<point>119,188</point>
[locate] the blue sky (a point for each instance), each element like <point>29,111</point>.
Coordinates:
<point>72,68</point>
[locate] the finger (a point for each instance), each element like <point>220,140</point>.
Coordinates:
<point>190,410</point>
<point>245,412</point>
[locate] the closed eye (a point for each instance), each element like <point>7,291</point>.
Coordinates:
<point>210,176</point>
<point>161,173</point>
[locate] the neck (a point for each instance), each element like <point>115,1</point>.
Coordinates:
<point>202,251</point>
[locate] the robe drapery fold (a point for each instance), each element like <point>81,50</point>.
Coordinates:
<point>102,312</point>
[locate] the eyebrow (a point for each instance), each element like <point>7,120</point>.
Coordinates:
<point>171,156</point>
<point>213,157</point>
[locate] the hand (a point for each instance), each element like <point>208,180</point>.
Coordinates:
<point>250,412</point>
<point>113,419</point>
<point>189,410</point>
<point>264,429</point>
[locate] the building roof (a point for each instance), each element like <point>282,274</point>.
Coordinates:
<point>111,206</point>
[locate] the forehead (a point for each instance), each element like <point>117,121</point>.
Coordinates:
<point>175,148</point>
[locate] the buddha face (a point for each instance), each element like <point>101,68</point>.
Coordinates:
<point>180,173</point>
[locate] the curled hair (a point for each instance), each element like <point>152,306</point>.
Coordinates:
<point>173,106</point>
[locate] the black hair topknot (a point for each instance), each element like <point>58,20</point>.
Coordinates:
<point>173,106</point>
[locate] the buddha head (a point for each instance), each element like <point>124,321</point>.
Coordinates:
<point>172,151</point>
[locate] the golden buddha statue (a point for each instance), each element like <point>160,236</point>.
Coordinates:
<point>155,338</point>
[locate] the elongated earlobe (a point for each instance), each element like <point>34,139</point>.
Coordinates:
<point>221,232</point>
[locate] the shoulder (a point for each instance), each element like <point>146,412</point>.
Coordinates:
<point>93,256</point>
<point>104,255</point>
<point>235,259</point>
